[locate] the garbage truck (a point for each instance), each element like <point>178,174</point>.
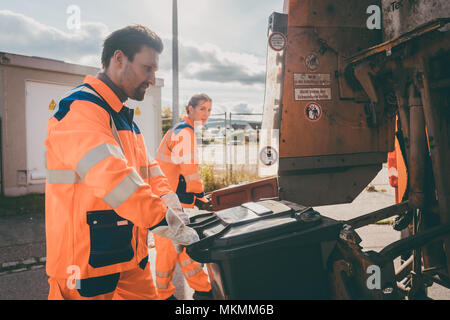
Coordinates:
<point>346,80</point>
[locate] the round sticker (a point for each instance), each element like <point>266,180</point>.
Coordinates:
<point>313,111</point>
<point>277,41</point>
<point>268,155</point>
<point>312,62</point>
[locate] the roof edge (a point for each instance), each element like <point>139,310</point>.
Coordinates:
<point>46,64</point>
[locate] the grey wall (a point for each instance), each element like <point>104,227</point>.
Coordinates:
<point>400,16</point>
<point>13,99</point>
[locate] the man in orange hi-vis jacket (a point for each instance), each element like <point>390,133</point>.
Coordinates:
<point>177,156</point>
<point>102,192</point>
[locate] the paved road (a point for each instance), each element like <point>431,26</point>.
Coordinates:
<point>22,241</point>
<point>22,260</point>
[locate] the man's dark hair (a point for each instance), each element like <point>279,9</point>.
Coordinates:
<point>130,41</point>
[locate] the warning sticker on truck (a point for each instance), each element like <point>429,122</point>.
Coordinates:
<point>312,79</point>
<point>313,111</point>
<point>312,94</point>
<point>52,105</point>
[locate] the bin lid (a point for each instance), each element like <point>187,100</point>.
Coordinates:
<point>251,211</point>
<point>255,221</point>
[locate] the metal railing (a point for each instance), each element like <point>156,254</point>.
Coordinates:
<point>230,147</point>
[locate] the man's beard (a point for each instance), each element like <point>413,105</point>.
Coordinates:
<point>138,93</point>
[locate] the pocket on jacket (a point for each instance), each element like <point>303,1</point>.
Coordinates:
<point>110,238</point>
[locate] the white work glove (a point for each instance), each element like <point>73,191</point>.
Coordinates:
<point>171,201</point>
<point>180,234</point>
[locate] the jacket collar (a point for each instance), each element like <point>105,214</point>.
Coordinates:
<point>106,92</point>
<point>186,118</point>
<point>119,92</point>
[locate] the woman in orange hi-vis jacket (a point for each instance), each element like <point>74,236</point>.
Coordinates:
<point>177,157</point>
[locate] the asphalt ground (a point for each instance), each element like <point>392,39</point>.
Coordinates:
<point>22,245</point>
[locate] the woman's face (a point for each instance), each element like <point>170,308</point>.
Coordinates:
<point>201,112</point>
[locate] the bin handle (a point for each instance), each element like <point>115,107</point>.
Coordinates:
<point>199,251</point>
<point>203,224</point>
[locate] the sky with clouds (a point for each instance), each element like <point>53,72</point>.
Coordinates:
<point>222,43</point>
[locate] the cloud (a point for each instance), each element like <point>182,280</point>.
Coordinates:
<point>24,35</point>
<point>212,64</point>
<point>205,63</point>
<point>208,63</point>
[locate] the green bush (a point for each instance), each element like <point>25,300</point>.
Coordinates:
<point>166,115</point>
<point>214,179</point>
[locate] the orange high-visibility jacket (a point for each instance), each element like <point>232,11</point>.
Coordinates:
<point>177,157</point>
<point>99,203</point>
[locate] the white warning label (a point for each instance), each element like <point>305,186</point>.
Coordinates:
<point>277,41</point>
<point>312,79</point>
<point>312,94</point>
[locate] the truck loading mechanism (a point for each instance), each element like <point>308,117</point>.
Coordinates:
<point>335,92</point>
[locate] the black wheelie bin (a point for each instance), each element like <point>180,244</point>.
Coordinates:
<point>265,250</point>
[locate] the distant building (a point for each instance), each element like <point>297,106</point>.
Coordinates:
<point>255,125</point>
<point>235,124</point>
<point>215,123</point>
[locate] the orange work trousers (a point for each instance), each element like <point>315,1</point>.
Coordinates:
<point>135,284</point>
<point>166,260</point>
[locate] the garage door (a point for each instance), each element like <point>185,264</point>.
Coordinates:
<point>41,98</point>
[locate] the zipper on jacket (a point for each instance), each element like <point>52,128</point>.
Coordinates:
<point>137,241</point>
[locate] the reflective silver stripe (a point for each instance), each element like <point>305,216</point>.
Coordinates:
<point>72,91</point>
<point>143,172</point>
<point>166,274</point>
<point>156,172</point>
<point>116,134</point>
<point>124,189</point>
<point>45,157</point>
<point>96,155</point>
<point>162,285</point>
<point>192,177</point>
<point>187,158</point>
<point>171,159</point>
<point>89,90</point>
<point>392,172</point>
<point>193,272</point>
<point>163,151</point>
<point>62,177</point>
<point>78,89</point>
<point>186,262</point>
<point>190,158</point>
